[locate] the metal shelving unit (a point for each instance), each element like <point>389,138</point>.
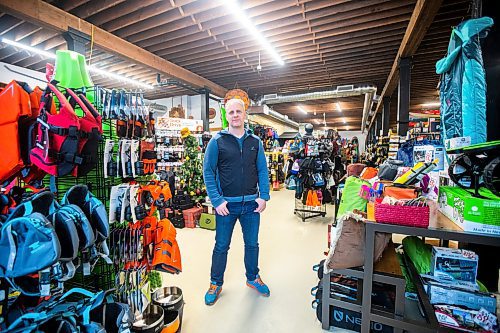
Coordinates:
<point>441,228</point>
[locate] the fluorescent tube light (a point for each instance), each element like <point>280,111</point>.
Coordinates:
<point>29,48</point>
<point>339,109</point>
<point>343,119</point>
<point>301,109</point>
<point>235,8</point>
<point>93,69</point>
<point>431,104</point>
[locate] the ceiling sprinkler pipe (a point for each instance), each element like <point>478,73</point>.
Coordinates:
<point>340,91</point>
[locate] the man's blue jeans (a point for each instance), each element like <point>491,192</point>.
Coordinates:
<point>250,221</point>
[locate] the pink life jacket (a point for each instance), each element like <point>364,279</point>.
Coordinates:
<point>57,136</point>
<point>90,134</point>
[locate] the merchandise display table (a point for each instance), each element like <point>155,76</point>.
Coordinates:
<point>440,227</point>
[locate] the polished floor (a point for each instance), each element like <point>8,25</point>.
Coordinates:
<point>288,250</point>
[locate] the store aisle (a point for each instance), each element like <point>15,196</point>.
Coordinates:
<point>288,250</point>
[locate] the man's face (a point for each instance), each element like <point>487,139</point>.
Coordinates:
<point>235,114</point>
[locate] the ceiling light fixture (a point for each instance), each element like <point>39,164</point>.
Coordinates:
<point>431,104</point>
<point>344,120</point>
<point>339,109</point>
<point>235,8</point>
<point>301,109</point>
<point>93,69</point>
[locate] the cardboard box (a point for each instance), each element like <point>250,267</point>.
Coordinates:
<point>453,264</point>
<point>471,213</point>
<point>455,143</point>
<point>440,293</point>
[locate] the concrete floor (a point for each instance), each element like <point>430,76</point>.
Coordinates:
<point>288,250</point>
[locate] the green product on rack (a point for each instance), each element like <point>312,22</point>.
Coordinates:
<point>223,119</point>
<point>71,71</point>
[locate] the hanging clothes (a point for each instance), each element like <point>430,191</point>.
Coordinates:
<point>463,84</point>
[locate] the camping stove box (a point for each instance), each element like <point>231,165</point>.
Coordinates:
<point>481,215</point>
<point>453,264</point>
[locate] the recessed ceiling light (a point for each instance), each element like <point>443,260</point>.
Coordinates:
<point>235,8</point>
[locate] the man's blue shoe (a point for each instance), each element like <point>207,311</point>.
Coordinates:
<point>260,286</point>
<point>212,294</point>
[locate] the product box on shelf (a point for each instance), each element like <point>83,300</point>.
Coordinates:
<point>453,264</point>
<point>455,143</point>
<point>441,293</point>
<point>472,214</point>
<point>461,319</point>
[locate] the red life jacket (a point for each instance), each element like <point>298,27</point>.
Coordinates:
<point>57,136</point>
<point>90,134</point>
<point>14,103</point>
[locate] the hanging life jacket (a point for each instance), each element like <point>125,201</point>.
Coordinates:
<point>95,212</point>
<point>57,136</point>
<point>167,256</point>
<point>90,133</point>
<point>31,244</point>
<point>14,103</point>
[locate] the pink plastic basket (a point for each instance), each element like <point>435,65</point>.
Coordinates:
<point>412,216</point>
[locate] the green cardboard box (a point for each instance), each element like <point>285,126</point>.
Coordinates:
<point>481,215</point>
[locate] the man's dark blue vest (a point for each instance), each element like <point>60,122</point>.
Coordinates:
<point>237,168</point>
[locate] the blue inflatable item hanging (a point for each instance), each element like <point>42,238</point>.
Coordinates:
<point>463,83</point>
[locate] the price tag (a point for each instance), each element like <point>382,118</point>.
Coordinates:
<point>485,319</point>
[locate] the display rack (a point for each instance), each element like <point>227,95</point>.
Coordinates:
<point>440,227</point>
<point>308,212</point>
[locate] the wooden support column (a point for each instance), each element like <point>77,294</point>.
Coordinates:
<point>386,112</point>
<point>404,96</point>
<point>420,20</point>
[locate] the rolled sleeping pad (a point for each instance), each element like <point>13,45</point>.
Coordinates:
<point>172,301</point>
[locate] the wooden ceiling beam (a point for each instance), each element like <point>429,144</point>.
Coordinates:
<point>352,6</point>
<point>421,19</point>
<point>95,7</point>
<point>122,9</point>
<point>55,18</point>
<point>141,17</point>
<point>223,54</point>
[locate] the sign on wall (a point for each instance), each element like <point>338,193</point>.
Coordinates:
<point>176,124</point>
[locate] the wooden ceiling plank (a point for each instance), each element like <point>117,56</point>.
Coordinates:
<point>421,19</point>
<point>95,7</point>
<point>140,18</point>
<point>122,9</point>
<point>48,15</point>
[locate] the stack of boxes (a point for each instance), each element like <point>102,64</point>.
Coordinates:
<point>454,292</point>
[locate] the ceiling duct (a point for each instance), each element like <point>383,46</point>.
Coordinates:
<point>340,91</point>
<point>265,111</point>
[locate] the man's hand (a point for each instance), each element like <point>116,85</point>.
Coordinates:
<point>261,205</point>
<point>222,209</point>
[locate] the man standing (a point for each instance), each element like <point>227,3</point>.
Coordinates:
<point>237,182</point>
